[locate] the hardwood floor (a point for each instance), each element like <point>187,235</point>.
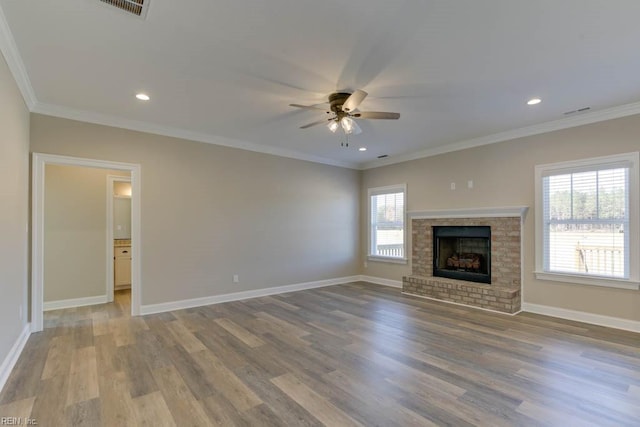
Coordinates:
<point>354,354</point>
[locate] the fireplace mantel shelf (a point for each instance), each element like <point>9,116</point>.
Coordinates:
<point>491,212</point>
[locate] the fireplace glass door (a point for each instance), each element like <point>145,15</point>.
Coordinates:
<point>462,253</point>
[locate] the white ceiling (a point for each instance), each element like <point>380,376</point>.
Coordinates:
<point>459,72</point>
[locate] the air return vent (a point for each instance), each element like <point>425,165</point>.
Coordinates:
<point>135,7</point>
<point>579,110</point>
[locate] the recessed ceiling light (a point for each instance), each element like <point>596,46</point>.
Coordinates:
<point>142,96</point>
<point>534,101</point>
<point>362,149</point>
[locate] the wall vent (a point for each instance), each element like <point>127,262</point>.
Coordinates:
<point>135,7</point>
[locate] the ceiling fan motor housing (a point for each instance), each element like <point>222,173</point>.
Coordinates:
<point>337,99</point>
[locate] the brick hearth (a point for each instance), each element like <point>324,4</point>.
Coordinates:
<point>503,294</point>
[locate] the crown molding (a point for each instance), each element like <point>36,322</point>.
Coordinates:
<point>10,52</point>
<point>564,123</point>
<point>147,127</point>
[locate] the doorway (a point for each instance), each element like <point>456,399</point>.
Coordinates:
<point>39,164</point>
<point>118,236</point>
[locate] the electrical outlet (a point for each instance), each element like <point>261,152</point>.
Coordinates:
<point>470,184</point>
<point>453,185</point>
<point>236,279</point>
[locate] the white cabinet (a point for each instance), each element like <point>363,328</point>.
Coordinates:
<point>122,267</point>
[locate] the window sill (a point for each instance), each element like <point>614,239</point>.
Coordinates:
<point>588,280</point>
<point>375,258</point>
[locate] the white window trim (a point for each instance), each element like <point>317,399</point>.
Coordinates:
<point>633,282</point>
<point>383,190</point>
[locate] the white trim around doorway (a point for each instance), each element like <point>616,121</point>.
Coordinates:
<point>39,161</point>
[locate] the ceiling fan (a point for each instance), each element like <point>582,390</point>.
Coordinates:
<point>343,111</point>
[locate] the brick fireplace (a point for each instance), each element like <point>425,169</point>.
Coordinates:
<point>503,294</point>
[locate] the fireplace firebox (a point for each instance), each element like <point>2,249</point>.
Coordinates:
<point>462,253</point>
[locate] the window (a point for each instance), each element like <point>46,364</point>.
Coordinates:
<point>587,221</point>
<point>386,222</point>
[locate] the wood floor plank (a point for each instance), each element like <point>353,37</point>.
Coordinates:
<point>262,415</point>
<point>86,413</point>
<point>184,336</point>
<point>82,331</point>
<point>51,401</point>
<point>239,332</point>
<point>24,380</point>
<point>152,410</point>
<point>392,412</point>
<point>550,416</point>
<point>154,353</point>
<point>317,405</point>
<point>120,328</point>
<point>58,357</point>
<point>107,358</point>
<point>280,303</point>
<point>117,407</point>
<point>222,413</point>
<point>217,340</point>
<point>139,376</point>
<point>193,320</point>
<point>197,379</point>
<point>184,407</point>
<point>226,382</point>
<point>100,322</point>
<point>20,409</point>
<point>599,399</point>
<point>290,412</point>
<point>83,376</point>
<point>283,326</point>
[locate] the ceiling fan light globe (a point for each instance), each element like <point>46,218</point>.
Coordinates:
<point>333,126</point>
<point>347,125</point>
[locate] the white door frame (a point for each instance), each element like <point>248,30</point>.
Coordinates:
<point>111,179</point>
<point>39,161</point>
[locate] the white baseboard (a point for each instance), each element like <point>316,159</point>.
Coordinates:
<point>10,361</point>
<point>582,316</point>
<point>237,296</point>
<point>381,281</point>
<point>75,302</point>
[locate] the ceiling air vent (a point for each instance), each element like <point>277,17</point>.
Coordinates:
<point>579,110</point>
<point>135,7</point>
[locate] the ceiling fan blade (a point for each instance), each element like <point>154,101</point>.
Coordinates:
<point>377,115</point>
<point>354,100</point>
<point>318,122</point>
<point>307,107</point>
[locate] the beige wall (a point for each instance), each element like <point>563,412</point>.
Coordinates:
<point>209,212</point>
<point>75,227</point>
<point>14,211</point>
<point>503,175</point>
